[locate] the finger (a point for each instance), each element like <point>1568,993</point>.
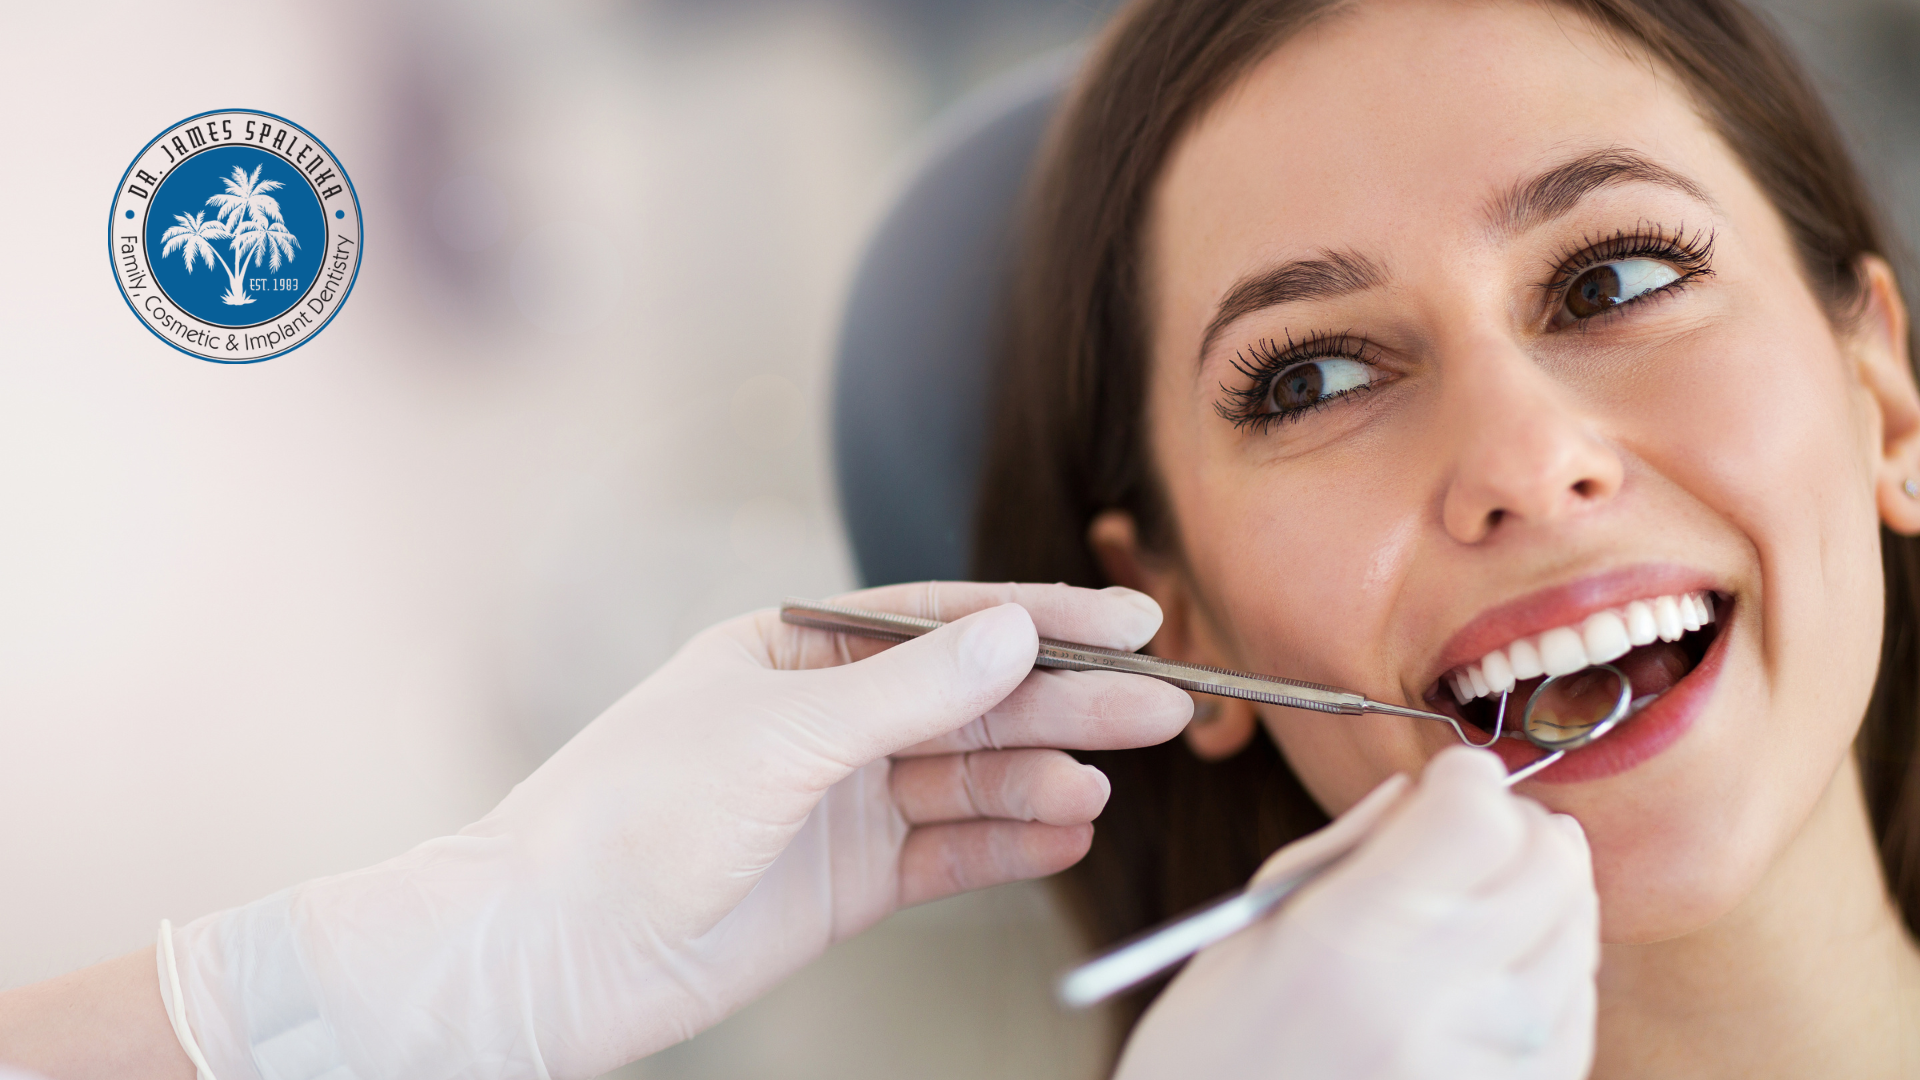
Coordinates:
<point>1359,820</point>
<point>1522,1010</point>
<point>1575,834</point>
<point>1074,710</point>
<point>1565,960</point>
<point>942,860</point>
<point>1524,910</point>
<point>1571,1046</point>
<point>1113,618</point>
<point>1459,829</point>
<point>1019,785</point>
<point>1572,946</point>
<point>861,712</point>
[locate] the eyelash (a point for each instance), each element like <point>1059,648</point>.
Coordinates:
<point>1245,407</point>
<point>1691,255</point>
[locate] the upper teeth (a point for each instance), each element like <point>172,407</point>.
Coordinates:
<point>1603,636</point>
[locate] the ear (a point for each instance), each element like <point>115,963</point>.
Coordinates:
<point>1221,727</point>
<point>1879,346</point>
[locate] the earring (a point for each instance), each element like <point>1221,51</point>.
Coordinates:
<point>1912,488</point>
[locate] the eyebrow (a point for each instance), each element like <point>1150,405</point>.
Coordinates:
<point>1536,201</point>
<point>1527,205</point>
<point>1333,274</point>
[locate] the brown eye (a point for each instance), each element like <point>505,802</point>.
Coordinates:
<point>1304,385</point>
<point>1609,285</point>
<point>1298,387</point>
<point>1593,292</point>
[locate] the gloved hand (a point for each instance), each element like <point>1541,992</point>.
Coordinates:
<point>771,790</point>
<point>1460,939</point>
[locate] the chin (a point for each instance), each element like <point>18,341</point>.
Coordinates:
<point>1655,893</point>
<point>1691,838</point>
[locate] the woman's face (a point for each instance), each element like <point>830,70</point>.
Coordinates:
<point>1466,328</point>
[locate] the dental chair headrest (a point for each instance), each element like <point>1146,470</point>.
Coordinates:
<point>915,364</point>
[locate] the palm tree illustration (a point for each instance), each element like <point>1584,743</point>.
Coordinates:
<point>254,237</point>
<point>249,219</point>
<point>195,234</point>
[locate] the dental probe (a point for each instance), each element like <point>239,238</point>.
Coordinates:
<point>1071,657</point>
<point>1140,958</point>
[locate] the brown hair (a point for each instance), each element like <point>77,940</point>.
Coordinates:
<point>1069,436</point>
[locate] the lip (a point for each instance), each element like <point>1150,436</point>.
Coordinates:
<point>1561,605</point>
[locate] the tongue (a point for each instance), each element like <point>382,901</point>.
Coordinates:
<point>1653,669</point>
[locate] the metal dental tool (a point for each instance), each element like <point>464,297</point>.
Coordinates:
<point>1071,657</point>
<point>1565,713</point>
<point>1553,722</point>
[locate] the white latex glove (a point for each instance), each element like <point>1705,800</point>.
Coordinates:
<point>768,792</point>
<point>1460,940</point>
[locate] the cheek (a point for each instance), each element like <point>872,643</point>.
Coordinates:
<point>1763,425</point>
<point>1766,428</point>
<point>1770,420</point>
<point>1301,571</point>
<point>1308,568</point>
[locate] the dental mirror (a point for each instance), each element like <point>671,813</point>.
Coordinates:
<point>1567,712</point>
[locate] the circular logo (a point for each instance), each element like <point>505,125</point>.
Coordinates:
<point>235,236</point>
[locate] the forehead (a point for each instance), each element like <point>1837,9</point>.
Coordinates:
<point>1391,119</point>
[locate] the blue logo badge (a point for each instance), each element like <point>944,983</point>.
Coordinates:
<point>235,236</point>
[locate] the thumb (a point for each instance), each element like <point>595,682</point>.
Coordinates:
<point>1461,829</point>
<point>923,688</point>
<point>1345,833</point>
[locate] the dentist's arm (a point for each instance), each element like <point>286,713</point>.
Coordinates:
<point>99,1023</point>
<point>768,792</point>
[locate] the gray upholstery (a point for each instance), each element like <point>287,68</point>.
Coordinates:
<point>916,348</point>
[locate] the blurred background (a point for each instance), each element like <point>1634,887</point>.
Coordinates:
<point>263,623</point>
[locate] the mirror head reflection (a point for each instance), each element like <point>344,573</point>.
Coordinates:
<point>1570,711</point>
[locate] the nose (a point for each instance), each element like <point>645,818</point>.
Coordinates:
<point>1524,452</point>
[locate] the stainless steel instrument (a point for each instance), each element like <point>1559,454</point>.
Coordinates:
<point>1066,655</point>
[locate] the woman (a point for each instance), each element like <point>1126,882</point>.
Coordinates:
<point>1388,342</point>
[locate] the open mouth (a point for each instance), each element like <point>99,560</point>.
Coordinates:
<point>1655,642</point>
